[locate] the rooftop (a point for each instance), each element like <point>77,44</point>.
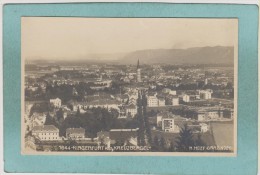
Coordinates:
<point>46,128</point>
<point>131,106</point>
<point>75,130</point>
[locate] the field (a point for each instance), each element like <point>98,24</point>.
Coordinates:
<point>207,138</point>
<point>223,133</point>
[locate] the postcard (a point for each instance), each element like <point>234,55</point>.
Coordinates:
<point>129,86</point>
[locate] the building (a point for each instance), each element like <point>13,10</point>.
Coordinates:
<point>37,119</point>
<point>186,98</point>
<point>75,133</point>
<point>205,95</point>
<point>205,81</point>
<point>161,101</point>
<point>104,103</point>
<point>131,110</point>
<point>228,113</point>
<point>172,92</point>
<point>199,128</point>
<point>76,105</point>
<point>204,127</point>
<point>172,100</point>
<point>55,102</point>
<point>152,101</point>
<point>162,115</point>
<point>208,114</point>
<point>46,132</point>
<point>168,124</point>
<point>166,90</point>
<point>175,101</point>
<point>138,73</point>
<point>103,138</point>
<point>124,136</point>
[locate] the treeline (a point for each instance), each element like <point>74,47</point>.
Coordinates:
<point>68,92</point>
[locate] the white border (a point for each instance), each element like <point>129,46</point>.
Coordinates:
<point>3,2</point>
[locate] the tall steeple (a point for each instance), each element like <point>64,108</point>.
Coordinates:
<point>138,72</point>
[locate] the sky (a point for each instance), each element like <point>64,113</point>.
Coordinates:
<point>82,38</point>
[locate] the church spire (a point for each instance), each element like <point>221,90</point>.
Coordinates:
<point>138,72</point>
<point>138,64</point>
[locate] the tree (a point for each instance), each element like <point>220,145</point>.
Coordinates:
<point>59,114</point>
<point>140,117</point>
<point>50,121</point>
<point>146,120</point>
<point>155,144</point>
<point>78,112</point>
<point>162,144</point>
<point>171,148</point>
<point>185,139</point>
<point>199,141</point>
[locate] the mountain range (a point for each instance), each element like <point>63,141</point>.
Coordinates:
<point>196,55</point>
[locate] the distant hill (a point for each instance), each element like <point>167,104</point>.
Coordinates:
<point>196,55</point>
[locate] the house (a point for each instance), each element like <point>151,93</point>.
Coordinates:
<point>46,132</point>
<point>124,136</point>
<point>175,101</point>
<point>198,128</point>
<point>103,138</point>
<point>75,133</point>
<point>228,113</point>
<point>168,124</point>
<point>172,92</point>
<point>131,109</point>
<point>186,98</point>
<point>166,90</point>
<point>76,105</point>
<point>205,94</point>
<point>55,102</point>
<point>121,98</point>
<point>104,103</point>
<point>161,101</point>
<point>194,128</point>
<point>209,114</point>
<point>204,127</point>
<point>152,101</point>
<point>132,101</point>
<point>172,100</point>
<point>162,115</point>
<point>37,119</point>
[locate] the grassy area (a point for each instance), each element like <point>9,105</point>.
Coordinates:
<point>207,138</point>
<point>223,133</point>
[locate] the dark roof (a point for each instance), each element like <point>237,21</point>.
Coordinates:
<point>45,128</point>
<point>131,106</point>
<point>75,130</point>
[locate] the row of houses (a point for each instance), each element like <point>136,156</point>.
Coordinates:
<point>168,122</point>
<point>51,133</point>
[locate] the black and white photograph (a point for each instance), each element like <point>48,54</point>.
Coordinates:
<point>133,86</point>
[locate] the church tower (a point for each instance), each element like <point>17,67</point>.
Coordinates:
<point>138,72</point>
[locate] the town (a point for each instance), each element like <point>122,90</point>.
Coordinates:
<point>163,107</point>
